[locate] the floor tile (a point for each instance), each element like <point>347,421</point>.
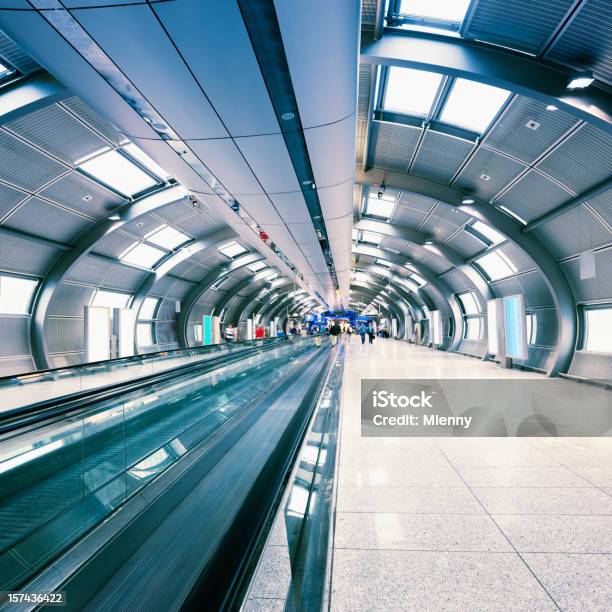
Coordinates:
<point>519,476</point>
<point>448,532</point>
<point>433,476</point>
<point>434,582</point>
<point>600,476</point>
<point>427,500</point>
<point>528,500</point>
<point>575,582</point>
<point>557,533</point>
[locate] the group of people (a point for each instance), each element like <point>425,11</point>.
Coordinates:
<point>363,329</point>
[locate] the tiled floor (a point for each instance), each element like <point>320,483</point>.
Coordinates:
<point>466,524</point>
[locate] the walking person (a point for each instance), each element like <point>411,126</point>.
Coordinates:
<point>335,330</point>
<point>363,330</point>
<point>371,334</point>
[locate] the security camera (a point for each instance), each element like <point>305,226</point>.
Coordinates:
<point>381,190</point>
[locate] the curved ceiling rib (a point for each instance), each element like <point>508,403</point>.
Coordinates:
<point>512,230</point>
<point>72,257</point>
<point>107,73</point>
<point>422,240</point>
<point>181,255</point>
<point>206,283</point>
<point>493,66</point>
<point>251,304</point>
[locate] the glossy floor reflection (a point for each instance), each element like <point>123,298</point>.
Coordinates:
<point>466,523</point>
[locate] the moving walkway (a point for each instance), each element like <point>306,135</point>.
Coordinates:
<point>157,493</point>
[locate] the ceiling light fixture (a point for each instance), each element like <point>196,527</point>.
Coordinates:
<point>467,200</point>
<point>114,217</point>
<point>580,80</point>
<point>552,107</point>
<point>287,116</point>
<point>87,198</point>
<point>429,242</point>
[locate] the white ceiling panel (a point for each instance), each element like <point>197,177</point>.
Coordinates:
<point>260,208</point>
<point>336,201</point>
<point>132,37</point>
<point>213,40</point>
<point>291,207</point>
<point>332,152</point>
<point>269,159</point>
<point>224,160</point>
<point>303,232</point>
<point>321,40</point>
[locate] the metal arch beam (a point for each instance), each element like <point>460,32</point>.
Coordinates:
<point>485,63</point>
<point>237,288</point>
<point>262,307</point>
<point>577,201</point>
<point>28,95</point>
<point>171,262</point>
<point>250,307</point>
<point>378,292</point>
<point>418,238</point>
<point>410,299</point>
<point>396,289</point>
<point>373,295</point>
<point>81,249</point>
<point>554,277</point>
<point>276,309</point>
<point>439,284</point>
<point>206,283</point>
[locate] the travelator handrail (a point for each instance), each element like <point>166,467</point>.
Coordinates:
<point>32,414</point>
<point>29,377</point>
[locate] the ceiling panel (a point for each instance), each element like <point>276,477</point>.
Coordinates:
<point>26,256</point>
<point>533,196</point>
<point>573,232</point>
<point>40,218</point>
<point>586,43</point>
<point>213,40</point>
<point>511,135</point>
<point>392,145</point>
<point>9,198</point>
<point>573,166</point>
<point>270,161</point>
<point>521,24</point>
<point>57,132</point>
<point>500,170</point>
<point>102,126</point>
<point>72,188</point>
<point>10,52</point>
<point>440,156</point>
<point>24,166</point>
<point>131,36</point>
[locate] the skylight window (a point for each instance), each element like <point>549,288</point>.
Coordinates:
<point>473,105</point>
<point>380,207</point>
<point>147,310</point>
<point>144,334</point>
<point>118,172</point>
<point>143,255</point>
<point>493,236</point>
<point>418,279</point>
<point>597,327</point>
<point>110,299</point>
<point>5,71</point>
<point>440,10</point>
<point>371,238</point>
<point>232,250</point>
<point>410,285</point>
<point>139,155</point>
<point>383,262</point>
<point>496,265</point>
<point>469,303</point>
<point>411,91</point>
<point>257,266</point>
<point>167,237</point>
<point>16,294</point>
